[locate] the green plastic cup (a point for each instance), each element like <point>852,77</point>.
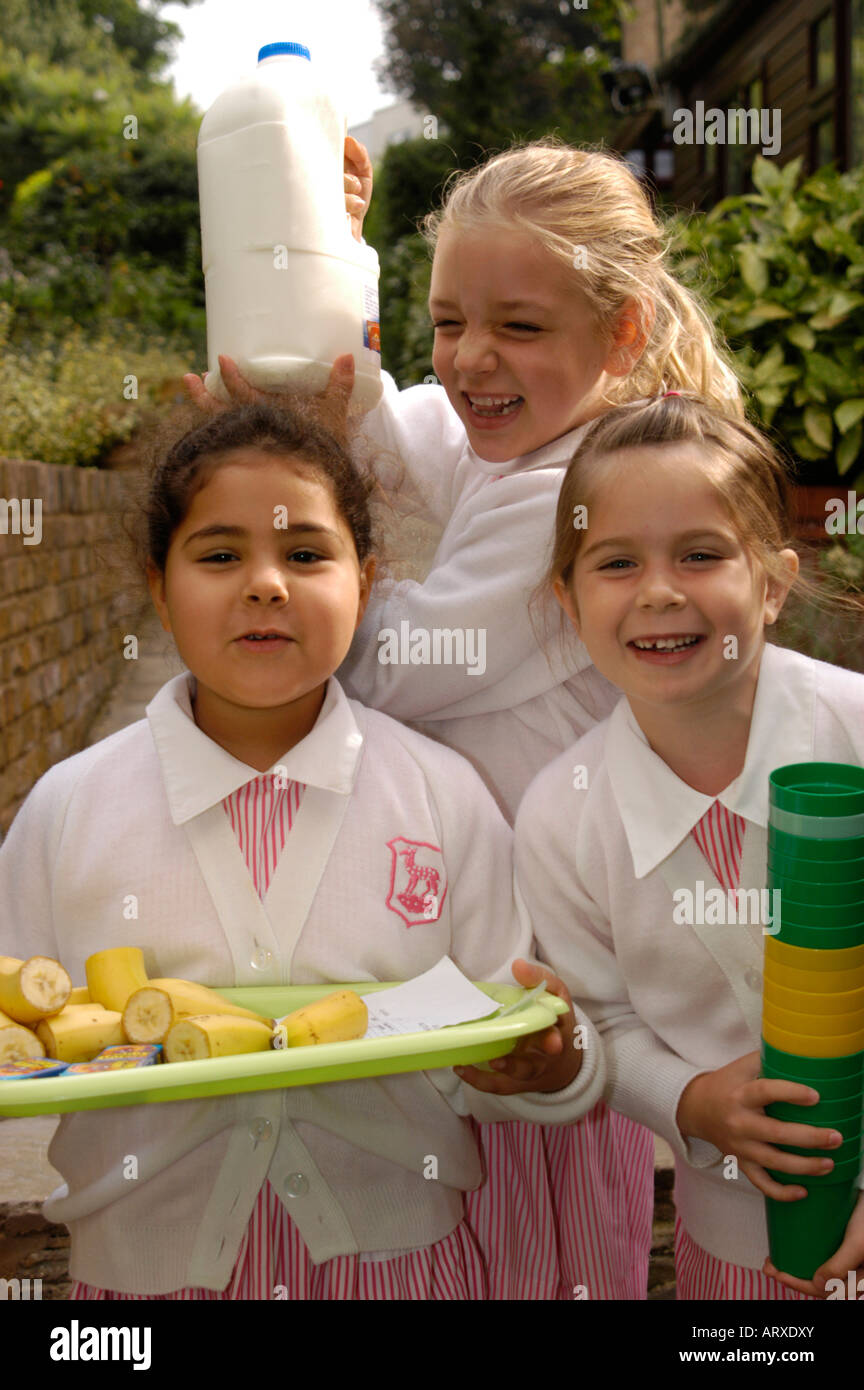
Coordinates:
<point>845,1089</point>
<point>814,870</point>
<point>800,895</point>
<point>818,789</point>
<point>808,849</point>
<point>827,917</point>
<point>803,1235</point>
<point>819,938</point>
<point>809,940</point>
<point>849,1149</point>
<point>827,1114</point>
<point>823,1068</point>
<point>840,1173</point>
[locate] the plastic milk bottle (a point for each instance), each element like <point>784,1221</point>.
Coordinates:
<point>288,288</point>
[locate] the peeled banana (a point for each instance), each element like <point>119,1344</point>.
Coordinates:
<point>32,989</point>
<point>150,1012</point>
<point>339,1017</point>
<point>148,1015</point>
<point>188,998</point>
<point>17,1043</point>
<point>114,974</point>
<point>215,1035</point>
<point>80,1032</point>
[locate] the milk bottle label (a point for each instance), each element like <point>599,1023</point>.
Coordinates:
<point>371,320</point>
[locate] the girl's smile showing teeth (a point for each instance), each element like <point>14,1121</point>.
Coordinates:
<point>665,643</point>
<point>666,650</point>
<point>493,407</point>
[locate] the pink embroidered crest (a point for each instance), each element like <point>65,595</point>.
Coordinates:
<point>418,881</point>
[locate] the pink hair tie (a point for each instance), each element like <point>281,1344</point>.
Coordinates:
<point>669,393</point>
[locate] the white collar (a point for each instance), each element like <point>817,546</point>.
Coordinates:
<point>198,773</point>
<point>659,811</point>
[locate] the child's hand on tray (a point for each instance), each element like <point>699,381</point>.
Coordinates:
<point>544,1061</point>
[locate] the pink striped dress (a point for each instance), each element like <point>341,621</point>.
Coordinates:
<point>720,836</point>
<point>566,1211</point>
<point>273,1261</point>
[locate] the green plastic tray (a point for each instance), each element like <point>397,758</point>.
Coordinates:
<point>459,1045</point>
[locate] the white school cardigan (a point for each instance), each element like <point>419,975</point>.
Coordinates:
<point>539,690</point>
<point>596,866</point>
<point>127,843</point>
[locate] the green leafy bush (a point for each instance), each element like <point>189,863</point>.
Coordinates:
<point>782,273</point>
<point>406,333</point>
<point>63,397</point>
<point>98,199</point>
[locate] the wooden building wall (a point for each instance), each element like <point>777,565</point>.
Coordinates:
<point>769,60</point>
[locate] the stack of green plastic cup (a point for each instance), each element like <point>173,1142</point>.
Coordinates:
<point>813,1005</point>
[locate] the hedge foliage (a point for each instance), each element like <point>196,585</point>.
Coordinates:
<point>69,397</point>
<point>781,271</point>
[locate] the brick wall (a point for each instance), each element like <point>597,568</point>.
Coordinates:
<point>65,604</point>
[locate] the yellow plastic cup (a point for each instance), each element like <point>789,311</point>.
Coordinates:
<point>809,1002</point>
<point>803,958</point>
<point>828,1024</point>
<point>823,981</point>
<point>804,1045</point>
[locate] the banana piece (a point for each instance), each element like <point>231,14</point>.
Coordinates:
<point>17,1043</point>
<point>80,995</point>
<point>80,1032</point>
<point>115,974</point>
<point>215,1035</point>
<point>32,989</point>
<point>339,1017</point>
<point>188,998</point>
<point>148,1015</point>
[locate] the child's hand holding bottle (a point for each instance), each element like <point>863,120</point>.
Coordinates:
<point>726,1108</point>
<point>544,1061</point>
<point>358,184</point>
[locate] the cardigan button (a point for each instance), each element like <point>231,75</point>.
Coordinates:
<point>262,959</point>
<point>296,1185</point>
<point>753,978</point>
<point>260,1129</point>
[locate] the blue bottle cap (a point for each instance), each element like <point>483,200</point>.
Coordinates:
<point>270,50</point>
